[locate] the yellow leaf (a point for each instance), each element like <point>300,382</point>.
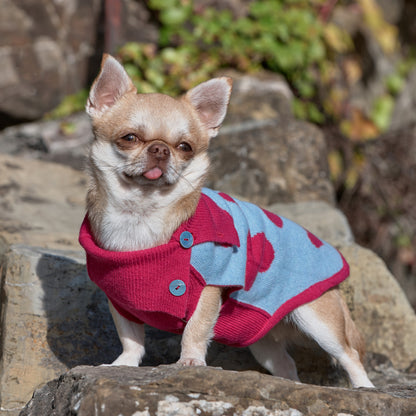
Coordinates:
<point>335,101</point>
<point>359,127</point>
<point>351,178</point>
<point>385,33</point>
<point>335,164</point>
<point>352,70</point>
<point>339,40</point>
<point>149,50</point>
<point>328,72</point>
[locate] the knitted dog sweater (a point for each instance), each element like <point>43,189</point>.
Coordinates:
<point>267,264</point>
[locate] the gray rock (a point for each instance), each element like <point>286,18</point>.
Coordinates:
<point>404,109</point>
<point>166,391</point>
<point>319,218</point>
<point>64,141</point>
<point>49,49</point>
<point>262,153</point>
<point>380,308</point>
<point>42,204</point>
<point>48,306</point>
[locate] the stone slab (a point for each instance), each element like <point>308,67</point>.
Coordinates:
<point>52,318</point>
<point>41,203</point>
<point>322,219</point>
<point>380,307</point>
<point>172,390</point>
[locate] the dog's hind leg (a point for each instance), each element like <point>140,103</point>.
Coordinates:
<point>327,321</point>
<point>270,351</point>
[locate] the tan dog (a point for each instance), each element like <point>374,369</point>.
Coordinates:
<point>147,166</point>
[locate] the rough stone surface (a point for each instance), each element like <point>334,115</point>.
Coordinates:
<point>381,309</point>
<point>263,154</point>
<point>49,49</point>
<point>166,391</point>
<point>404,110</point>
<point>54,318</point>
<point>40,203</point>
<point>62,141</point>
<point>48,305</point>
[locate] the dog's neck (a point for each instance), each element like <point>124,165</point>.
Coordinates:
<point>124,218</point>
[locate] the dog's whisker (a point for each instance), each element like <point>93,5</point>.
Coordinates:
<point>185,179</point>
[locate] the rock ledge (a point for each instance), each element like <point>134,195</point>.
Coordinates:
<point>146,391</point>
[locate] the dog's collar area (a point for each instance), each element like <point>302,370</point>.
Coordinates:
<point>209,224</point>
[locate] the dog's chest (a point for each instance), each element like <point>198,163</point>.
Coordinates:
<point>129,231</point>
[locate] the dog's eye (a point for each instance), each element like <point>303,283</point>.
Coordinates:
<point>185,147</point>
<point>130,138</point>
<point>128,142</point>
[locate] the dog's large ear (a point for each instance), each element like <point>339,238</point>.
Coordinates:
<point>110,85</point>
<point>210,100</point>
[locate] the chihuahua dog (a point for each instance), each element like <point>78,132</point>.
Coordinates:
<point>172,254</point>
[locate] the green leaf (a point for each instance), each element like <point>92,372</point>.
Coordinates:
<point>395,83</point>
<point>316,51</point>
<point>69,105</point>
<point>261,9</point>
<point>403,240</point>
<point>131,51</point>
<point>174,16</point>
<point>162,4</point>
<point>299,109</point>
<point>382,112</point>
<point>315,115</point>
<point>133,71</point>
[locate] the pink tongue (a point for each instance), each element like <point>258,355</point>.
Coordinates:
<point>152,174</point>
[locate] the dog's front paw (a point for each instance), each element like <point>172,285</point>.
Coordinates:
<point>126,359</point>
<point>191,362</point>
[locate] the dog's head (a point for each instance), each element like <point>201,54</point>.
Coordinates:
<point>153,140</point>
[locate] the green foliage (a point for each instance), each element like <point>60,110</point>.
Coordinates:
<point>382,111</point>
<point>285,36</point>
<point>307,110</point>
<point>69,105</point>
<point>383,106</point>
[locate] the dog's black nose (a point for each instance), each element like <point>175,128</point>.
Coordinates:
<point>159,150</point>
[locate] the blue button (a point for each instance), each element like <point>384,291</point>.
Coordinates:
<point>186,239</point>
<point>177,287</point>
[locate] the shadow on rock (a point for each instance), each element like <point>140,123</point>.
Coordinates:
<point>80,327</point>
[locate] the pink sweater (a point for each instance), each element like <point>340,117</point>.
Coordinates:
<point>267,264</point>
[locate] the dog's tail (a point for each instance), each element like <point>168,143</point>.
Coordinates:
<point>353,337</point>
